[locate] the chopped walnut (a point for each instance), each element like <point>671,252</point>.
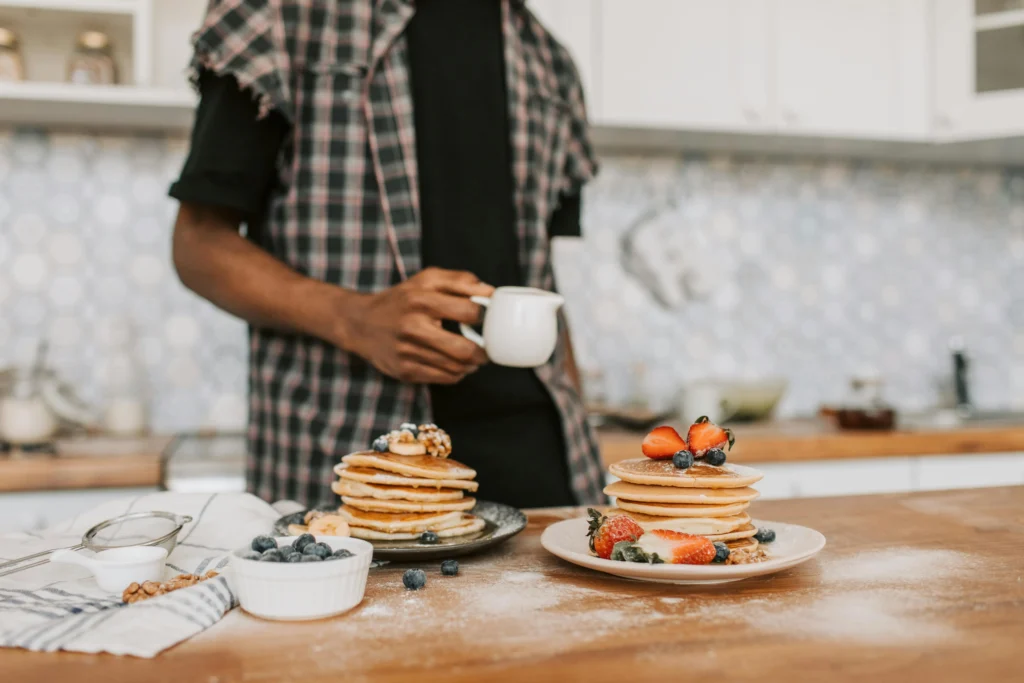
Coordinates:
<point>747,556</point>
<point>435,439</point>
<point>151,589</point>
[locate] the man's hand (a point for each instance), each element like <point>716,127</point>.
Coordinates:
<point>399,330</point>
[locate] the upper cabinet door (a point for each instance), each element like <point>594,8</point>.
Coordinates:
<point>852,68</point>
<point>690,64</point>
<point>573,23</point>
<point>979,69</point>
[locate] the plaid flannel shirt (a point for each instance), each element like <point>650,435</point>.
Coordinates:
<point>346,212</point>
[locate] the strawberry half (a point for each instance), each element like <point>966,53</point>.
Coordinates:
<point>705,435</point>
<point>605,532</point>
<point>675,547</point>
<point>662,443</point>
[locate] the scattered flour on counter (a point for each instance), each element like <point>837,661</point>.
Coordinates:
<point>895,566</point>
<point>521,577</point>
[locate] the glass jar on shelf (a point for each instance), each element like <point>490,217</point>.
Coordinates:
<point>92,62</point>
<point>11,66</point>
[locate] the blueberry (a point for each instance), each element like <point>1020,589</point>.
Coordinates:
<point>428,537</point>
<point>302,541</point>
<point>262,543</point>
<point>764,535</point>
<point>408,426</point>
<point>380,444</point>
<point>715,456</point>
<point>414,579</point>
<point>310,558</point>
<point>319,550</point>
<point>449,568</point>
<point>272,555</point>
<point>682,459</point>
<point>721,552</point>
<point>295,557</point>
<point>249,555</point>
<point>339,554</point>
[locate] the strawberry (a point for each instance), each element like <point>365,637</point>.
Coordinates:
<point>675,547</point>
<point>662,443</point>
<point>605,532</point>
<point>705,435</point>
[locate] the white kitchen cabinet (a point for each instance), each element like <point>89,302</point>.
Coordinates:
<point>574,24</point>
<point>35,510</point>
<point>852,68</point>
<point>978,73</point>
<point>684,64</point>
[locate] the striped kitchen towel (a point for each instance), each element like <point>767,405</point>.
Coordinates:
<point>60,607</point>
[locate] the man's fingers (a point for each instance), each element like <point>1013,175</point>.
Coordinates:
<point>423,355</point>
<point>443,306</point>
<point>458,282</point>
<point>418,373</point>
<point>454,346</point>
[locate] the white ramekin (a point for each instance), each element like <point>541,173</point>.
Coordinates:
<point>294,591</point>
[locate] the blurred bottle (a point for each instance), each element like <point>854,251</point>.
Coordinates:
<point>92,62</point>
<point>11,67</point>
<point>126,396</point>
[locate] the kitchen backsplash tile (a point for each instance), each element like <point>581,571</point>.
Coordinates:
<point>692,267</point>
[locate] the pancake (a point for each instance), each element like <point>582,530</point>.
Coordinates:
<point>344,487</point>
<point>413,522</point>
<point>678,495</point>
<point>369,475</point>
<point>743,544</point>
<point>699,526</point>
<point>372,504</point>
<point>469,524</point>
<point>425,466</point>
<point>682,509</point>
<point>745,531</point>
<point>700,475</point>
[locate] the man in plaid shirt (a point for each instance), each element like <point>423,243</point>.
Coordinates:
<point>358,170</point>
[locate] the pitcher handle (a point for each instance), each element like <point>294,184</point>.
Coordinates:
<point>467,331</point>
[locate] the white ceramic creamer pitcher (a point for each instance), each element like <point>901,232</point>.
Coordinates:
<point>520,326</point>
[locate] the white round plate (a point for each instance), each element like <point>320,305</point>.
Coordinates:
<point>793,545</point>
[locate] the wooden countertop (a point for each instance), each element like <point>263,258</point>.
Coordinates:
<point>801,440</point>
<point>922,587</point>
<point>87,463</point>
<point>112,463</point>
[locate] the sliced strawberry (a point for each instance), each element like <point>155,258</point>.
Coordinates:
<point>605,532</point>
<point>675,547</point>
<point>662,443</point>
<point>705,435</point>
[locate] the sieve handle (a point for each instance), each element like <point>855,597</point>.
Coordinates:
<point>20,560</point>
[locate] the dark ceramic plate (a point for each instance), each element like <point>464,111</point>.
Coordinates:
<point>502,522</point>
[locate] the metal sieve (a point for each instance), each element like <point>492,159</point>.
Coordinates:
<point>155,528</point>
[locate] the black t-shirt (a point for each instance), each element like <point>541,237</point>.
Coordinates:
<point>502,420</point>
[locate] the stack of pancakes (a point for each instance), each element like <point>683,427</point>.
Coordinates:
<point>386,496</point>
<point>702,500</point>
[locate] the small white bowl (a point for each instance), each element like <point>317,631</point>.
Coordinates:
<point>295,591</point>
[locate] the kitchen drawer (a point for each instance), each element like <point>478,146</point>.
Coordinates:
<point>939,472</point>
<point>35,510</point>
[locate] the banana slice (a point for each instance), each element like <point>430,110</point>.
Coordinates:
<point>329,525</point>
<point>298,529</point>
<point>407,448</point>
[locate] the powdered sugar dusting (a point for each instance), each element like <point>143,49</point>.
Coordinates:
<point>895,565</point>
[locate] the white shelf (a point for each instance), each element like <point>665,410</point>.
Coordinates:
<point>90,6</point>
<point>990,22</point>
<point>87,106</point>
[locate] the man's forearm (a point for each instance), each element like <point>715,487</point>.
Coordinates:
<point>216,262</point>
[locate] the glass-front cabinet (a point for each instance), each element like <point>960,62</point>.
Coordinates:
<point>978,78</point>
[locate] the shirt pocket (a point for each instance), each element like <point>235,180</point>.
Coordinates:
<point>330,129</point>
<point>549,124</point>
